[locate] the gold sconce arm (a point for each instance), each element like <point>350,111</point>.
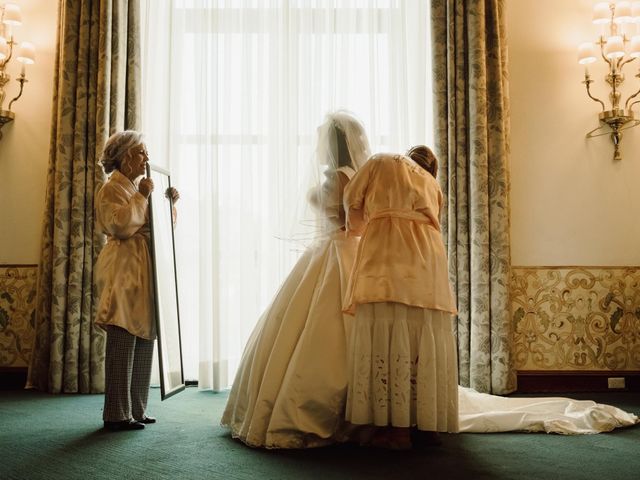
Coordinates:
<point>10,44</point>
<point>22,81</point>
<point>626,105</point>
<point>588,82</point>
<point>623,63</point>
<point>602,42</point>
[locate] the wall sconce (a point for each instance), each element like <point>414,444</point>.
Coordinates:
<point>619,43</point>
<point>9,17</point>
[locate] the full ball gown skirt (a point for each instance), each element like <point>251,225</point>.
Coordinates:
<point>290,388</point>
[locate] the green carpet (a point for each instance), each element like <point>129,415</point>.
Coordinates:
<point>60,437</point>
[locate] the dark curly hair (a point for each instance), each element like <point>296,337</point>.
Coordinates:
<point>423,156</point>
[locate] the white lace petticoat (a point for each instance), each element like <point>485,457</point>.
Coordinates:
<point>402,368</point>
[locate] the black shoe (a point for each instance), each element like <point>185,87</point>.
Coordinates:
<point>123,425</point>
<point>427,438</point>
<point>146,419</point>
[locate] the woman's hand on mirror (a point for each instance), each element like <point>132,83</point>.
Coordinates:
<point>172,194</point>
<point>145,187</point>
<point>174,215</point>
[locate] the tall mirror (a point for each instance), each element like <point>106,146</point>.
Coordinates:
<point>166,287</point>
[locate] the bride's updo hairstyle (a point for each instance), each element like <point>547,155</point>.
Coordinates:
<point>341,147</point>
<point>424,157</point>
<point>116,147</point>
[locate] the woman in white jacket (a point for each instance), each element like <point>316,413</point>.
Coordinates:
<point>124,281</point>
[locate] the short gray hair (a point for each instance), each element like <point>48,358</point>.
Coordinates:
<point>116,147</point>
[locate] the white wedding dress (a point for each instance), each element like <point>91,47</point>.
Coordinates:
<point>290,390</point>
<point>291,386</point>
<point>479,412</point>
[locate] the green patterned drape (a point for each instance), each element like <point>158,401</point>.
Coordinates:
<point>472,142</point>
<point>96,92</point>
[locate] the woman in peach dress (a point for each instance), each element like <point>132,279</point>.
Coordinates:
<point>402,354</point>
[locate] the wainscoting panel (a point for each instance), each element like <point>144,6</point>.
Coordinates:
<point>576,318</point>
<point>17,314</point>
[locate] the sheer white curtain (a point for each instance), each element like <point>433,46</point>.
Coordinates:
<point>233,93</point>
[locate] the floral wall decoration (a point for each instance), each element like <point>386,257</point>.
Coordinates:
<point>17,314</point>
<point>576,318</point>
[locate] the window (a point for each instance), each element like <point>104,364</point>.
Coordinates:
<point>233,93</point>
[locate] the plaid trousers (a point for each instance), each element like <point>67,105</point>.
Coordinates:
<point>128,361</point>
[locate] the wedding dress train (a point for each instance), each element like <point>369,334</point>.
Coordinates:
<point>480,412</point>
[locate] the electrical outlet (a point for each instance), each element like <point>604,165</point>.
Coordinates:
<point>615,382</point>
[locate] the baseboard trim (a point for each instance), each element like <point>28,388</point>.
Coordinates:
<point>13,378</point>
<point>555,381</point>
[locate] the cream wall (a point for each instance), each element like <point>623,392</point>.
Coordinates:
<point>24,148</point>
<point>571,203</point>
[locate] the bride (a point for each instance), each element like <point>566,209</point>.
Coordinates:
<point>290,388</point>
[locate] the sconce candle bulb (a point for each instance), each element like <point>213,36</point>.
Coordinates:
<point>11,16</point>
<point>623,13</point>
<point>4,48</point>
<point>617,50</point>
<point>614,48</point>
<point>587,53</point>
<point>26,53</point>
<point>601,13</point>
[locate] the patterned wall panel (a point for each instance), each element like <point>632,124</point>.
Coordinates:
<point>17,312</point>
<point>576,318</point>
<point>565,318</point>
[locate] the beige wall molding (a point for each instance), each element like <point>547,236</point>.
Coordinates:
<point>585,381</point>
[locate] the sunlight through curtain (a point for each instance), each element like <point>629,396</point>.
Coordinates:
<point>233,93</point>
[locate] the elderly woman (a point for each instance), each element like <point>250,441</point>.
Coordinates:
<point>402,355</point>
<point>124,281</point>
